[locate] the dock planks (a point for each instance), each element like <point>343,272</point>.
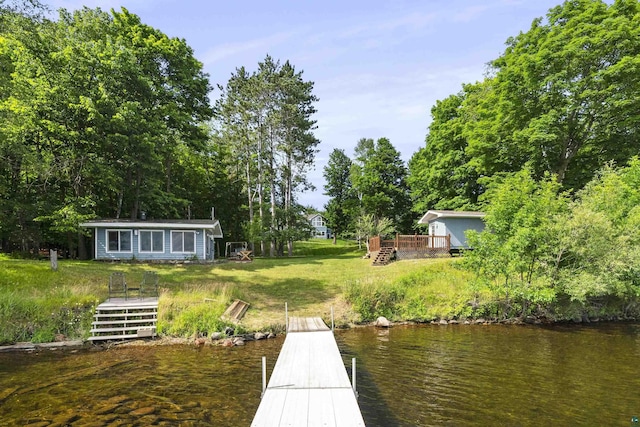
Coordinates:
<point>309,385</point>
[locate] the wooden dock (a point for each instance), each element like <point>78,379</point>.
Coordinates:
<point>309,385</point>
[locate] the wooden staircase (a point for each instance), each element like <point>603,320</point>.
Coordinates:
<point>384,256</point>
<point>119,319</point>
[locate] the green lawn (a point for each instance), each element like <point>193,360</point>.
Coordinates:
<point>37,303</point>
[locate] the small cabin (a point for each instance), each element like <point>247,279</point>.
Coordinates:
<point>154,240</point>
<point>454,224</point>
<point>320,229</point>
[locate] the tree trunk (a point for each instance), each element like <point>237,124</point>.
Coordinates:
<point>272,197</point>
<point>136,200</point>
<point>272,227</point>
<point>288,203</point>
<point>250,199</point>
<point>259,187</point>
<point>82,247</point>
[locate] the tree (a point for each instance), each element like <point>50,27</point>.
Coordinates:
<point>266,116</point>
<point>440,175</point>
<point>343,203</point>
<point>379,178</point>
<point>562,97</point>
<point>367,226</point>
<point>514,254</point>
<point>599,253</point>
<point>560,100</point>
<point>97,110</point>
<point>298,147</point>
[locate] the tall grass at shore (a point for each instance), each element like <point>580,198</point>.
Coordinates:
<point>441,290</point>
<point>195,309</point>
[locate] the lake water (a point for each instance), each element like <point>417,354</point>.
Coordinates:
<point>451,375</point>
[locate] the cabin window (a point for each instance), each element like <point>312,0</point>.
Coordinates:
<point>151,241</point>
<point>119,241</point>
<point>317,221</point>
<point>183,241</point>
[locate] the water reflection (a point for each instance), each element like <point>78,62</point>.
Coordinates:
<point>407,376</point>
<point>501,375</point>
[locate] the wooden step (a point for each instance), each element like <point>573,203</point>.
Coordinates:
<point>122,329</point>
<point>128,315</point>
<point>115,337</point>
<point>127,307</point>
<point>123,322</point>
<point>384,256</point>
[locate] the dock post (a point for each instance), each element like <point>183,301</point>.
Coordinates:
<point>353,375</point>
<point>331,318</point>
<point>286,318</point>
<point>264,375</point>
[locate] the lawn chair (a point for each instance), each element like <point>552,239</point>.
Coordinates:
<point>117,286</point>
<point>149,284</point>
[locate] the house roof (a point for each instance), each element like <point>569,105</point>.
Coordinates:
<point>311,216</point>
<point>432,214</point>
<point>179,224</point>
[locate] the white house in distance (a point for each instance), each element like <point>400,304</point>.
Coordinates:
<point>154,240</point>
<point>321,231</point>
<point>453,223</point>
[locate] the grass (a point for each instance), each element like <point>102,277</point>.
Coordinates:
<point>36,303</point>
<point>439,290</point>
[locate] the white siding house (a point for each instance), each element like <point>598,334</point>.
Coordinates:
<point>453,223</point>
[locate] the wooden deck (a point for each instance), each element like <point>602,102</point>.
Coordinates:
<point>309,385</point>
<point>412,246</point>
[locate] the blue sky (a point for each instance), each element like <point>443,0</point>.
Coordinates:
<point>378,66</point>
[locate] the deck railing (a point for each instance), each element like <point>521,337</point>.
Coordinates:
<point>413,242</point>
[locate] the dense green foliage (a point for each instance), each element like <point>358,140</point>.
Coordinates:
<point>101,116</point>
<point>440,176</point>
<point>343,203</point>
<point>512,255</point>
<point>369,194</point>
<point>544,254</point>
<point>379,179</point>
<point>561,99</point>
<point>545,145</point>
<point>104,116</point>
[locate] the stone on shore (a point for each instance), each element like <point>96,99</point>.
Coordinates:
<point>382,322</point>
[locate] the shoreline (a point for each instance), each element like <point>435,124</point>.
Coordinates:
<point>222,340</point>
